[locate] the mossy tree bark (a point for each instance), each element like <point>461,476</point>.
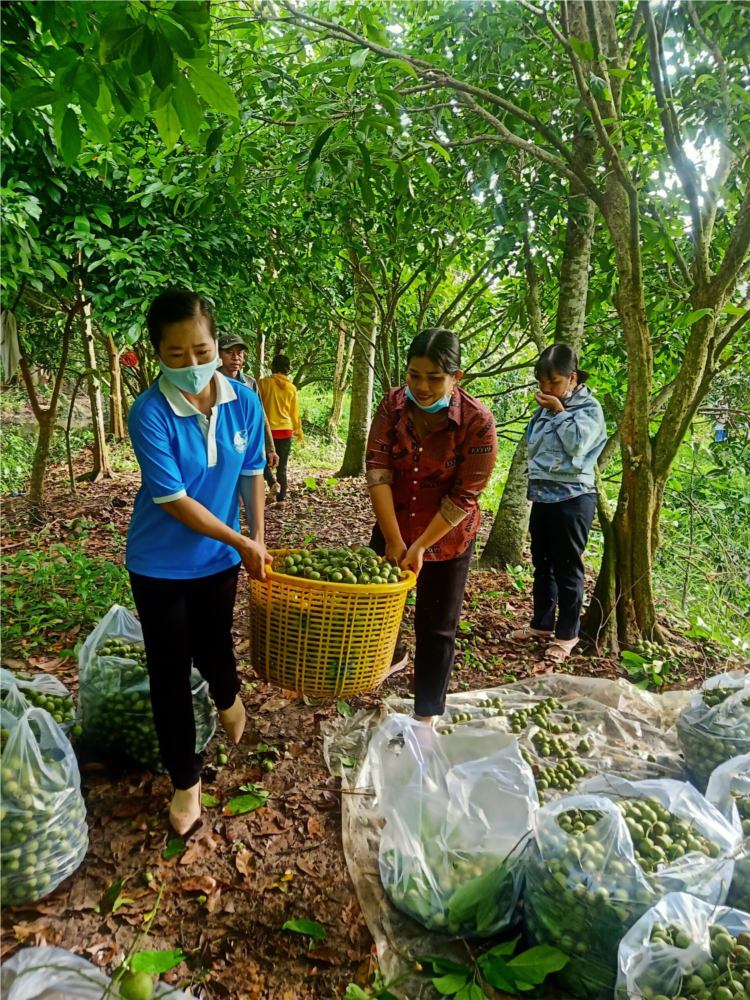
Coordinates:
<point>363,369</point>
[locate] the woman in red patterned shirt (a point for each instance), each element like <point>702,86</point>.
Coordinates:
<point>430,453</point>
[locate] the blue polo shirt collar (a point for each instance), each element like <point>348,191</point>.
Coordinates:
<point>182,408</point>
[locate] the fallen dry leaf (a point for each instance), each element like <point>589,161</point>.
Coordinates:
<point>213,900</point>
<point>314,827</point>
<point>245,862</point>
<point>199,849</point>
<point>326,954</point>
<point>307,868</point>
<point>22,931</point>
<point>204,883</point>
<point>274,704</point>
<point>272,824</point>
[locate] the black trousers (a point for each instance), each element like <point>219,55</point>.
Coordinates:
<point>559,532</point>
<point>440,595</point>
<point>186,622</point>
<point>283,446</point>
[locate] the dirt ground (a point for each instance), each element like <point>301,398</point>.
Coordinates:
<point>226,897</point>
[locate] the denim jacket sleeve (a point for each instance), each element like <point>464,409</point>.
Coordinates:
<point>579,429</point>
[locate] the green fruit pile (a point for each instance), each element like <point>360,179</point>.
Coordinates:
<point>115,705</point>
<point>711,734</point>
<point>725,977</point>
<point>43,832</point>
<point>363,566</point>
<point>659,837</point>
<point>656,650</point>
<point>566,771</point>
<point>470,897</point>
<point>581,896</point>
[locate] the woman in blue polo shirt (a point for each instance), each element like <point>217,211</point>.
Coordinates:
<point>198,438</point>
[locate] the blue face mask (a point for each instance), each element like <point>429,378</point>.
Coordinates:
<point>193,379</point>
<point>441,404</point>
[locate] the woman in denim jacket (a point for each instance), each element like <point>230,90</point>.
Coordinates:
<point>565,437</point>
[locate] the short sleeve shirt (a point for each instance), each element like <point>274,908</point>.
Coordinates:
<point>181,453</point>
<point>446,471</point>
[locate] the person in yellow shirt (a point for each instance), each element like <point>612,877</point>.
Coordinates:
<point>279,397</point>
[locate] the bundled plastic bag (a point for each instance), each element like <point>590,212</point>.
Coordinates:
<point>729,790</point>
<point>716,725</point>
<point>602,858</point>
<point>41,691</point>
<point>43,832</point>
<point>683,948</point>
<point>458,812</point>
<point>114,702</point>
<point>56,974</point>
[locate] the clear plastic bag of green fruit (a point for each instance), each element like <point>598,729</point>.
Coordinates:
<point>716,725</point>
<point>114,700</point>
<point>729,790</point>
<point>686,949</point>
<point>43,832</point>
<point>584,888</point>
<point>56,974</point>
<point>41,691</point>
<point>681,841</point>
<point>610,864</point>
<point>458,811</point>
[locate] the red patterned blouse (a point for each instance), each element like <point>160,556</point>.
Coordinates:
<point>445,471</point>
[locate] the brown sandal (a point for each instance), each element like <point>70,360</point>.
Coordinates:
<point>526,634</point>
<point>560,649</point>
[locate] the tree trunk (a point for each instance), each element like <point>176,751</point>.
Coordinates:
<point>46,417</point>
<point>116,421</point>
<point>102,468</point>
<point>340,376</point>
<point>630,545</point>
<point>142,371</point>
<point>362,378</point>
<point>260,355</point>
<point>41,458</point>
<point>505,544</point>
<point>599,624</point>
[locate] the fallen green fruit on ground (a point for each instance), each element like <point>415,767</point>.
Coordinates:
<point>136,986</point>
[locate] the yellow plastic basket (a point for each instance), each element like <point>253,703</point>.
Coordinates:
<point>324,639</point>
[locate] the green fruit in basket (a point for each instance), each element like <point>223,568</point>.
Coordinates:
<point>350,566</point>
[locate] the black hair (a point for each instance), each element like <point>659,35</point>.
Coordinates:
<point>175,306</point>
<point>281,363</point>
<point>559,359</point>
<point>442,347</point>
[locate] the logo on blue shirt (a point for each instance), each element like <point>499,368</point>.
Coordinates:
<point>240,441</point>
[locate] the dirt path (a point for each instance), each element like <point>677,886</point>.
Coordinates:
<point>227,896</point>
